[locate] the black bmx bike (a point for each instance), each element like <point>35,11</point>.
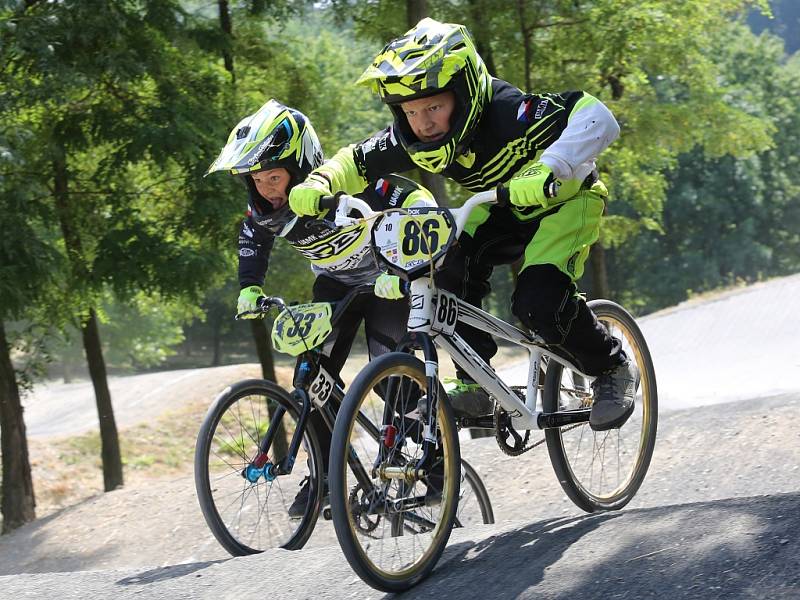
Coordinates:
<point>256,447</point>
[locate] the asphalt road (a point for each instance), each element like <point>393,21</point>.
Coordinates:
<point>717,516</point>
<point>744,548</point>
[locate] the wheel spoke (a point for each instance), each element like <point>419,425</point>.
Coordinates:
<point>251,517</point>
<point>603,469</point>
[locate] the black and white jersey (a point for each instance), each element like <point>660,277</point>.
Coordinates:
<point>343,253</point>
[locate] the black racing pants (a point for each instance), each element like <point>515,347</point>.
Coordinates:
<point>545,298</point>
<point>385,322</point>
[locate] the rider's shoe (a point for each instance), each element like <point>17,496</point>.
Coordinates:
<point>614,393</point>
<point>300,503</point>
<point>468,399</point>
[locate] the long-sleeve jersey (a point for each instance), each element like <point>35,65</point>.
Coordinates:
<point>342,253</point>
<point>565,131</point>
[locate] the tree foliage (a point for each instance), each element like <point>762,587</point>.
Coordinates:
<point>728,219</point>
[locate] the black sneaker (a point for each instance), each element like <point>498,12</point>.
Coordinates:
<point>300,503</point>
<point>614,393</point>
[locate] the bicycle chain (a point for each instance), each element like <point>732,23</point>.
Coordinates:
<point>508,450</point>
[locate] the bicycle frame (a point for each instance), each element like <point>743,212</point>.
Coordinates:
<point>313,386</point>
<point>433,316</point>
<point>435,313</point>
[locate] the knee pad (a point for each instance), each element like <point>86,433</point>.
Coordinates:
<point>545,302</point>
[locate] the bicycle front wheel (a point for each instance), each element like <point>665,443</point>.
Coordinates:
<point>392,521</point>
<point>247,510</point>
<point>602,470</point>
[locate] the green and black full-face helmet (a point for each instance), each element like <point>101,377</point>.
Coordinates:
<point>275,136</point>
<point>431,58</point>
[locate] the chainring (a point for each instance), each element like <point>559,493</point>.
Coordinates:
<point>359,508</point>
<point>511,441</point>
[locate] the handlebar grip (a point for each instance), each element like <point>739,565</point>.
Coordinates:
<point>503,195</point>
<point>329,202</point>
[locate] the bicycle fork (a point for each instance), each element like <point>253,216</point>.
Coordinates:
<point>421,467</point>
<point>261,464</point>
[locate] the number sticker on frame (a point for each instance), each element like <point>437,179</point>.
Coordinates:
<point>321,388</point>
<point>446,314</point>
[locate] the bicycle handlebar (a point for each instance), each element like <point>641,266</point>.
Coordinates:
<point>263,306</point>
<point>329,202</point>
<point>345,203</point>
<point>267,303</point>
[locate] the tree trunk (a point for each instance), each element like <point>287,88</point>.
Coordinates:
<point>18,504</point>
<point>216,344</point>
<point>527,50</point>
<point>226,25</point>
<point>215,321</point>
<point>109,439</point>
<point>598,253</point>
<point>480,28</point>
<point>112,461</point>
<point>416,10</point>
<point>280,444</point>
<point>263,349</point>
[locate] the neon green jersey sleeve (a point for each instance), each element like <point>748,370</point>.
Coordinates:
<point>342,172</point>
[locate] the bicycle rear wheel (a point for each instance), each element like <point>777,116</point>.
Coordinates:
<point>248,515</point>
<point>602,470</point>
<point>392,524</point>
<point>474,505</point>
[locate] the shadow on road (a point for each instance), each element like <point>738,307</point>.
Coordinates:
<point>737,548</point>
<point>164,573</point>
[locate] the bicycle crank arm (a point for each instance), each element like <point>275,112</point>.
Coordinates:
<point>476,422</point>
<point>560,419</point>
<point>406,504</point>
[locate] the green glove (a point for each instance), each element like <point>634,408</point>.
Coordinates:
<point>304,197</point>
<point>248,300</point>
<point>388,286</point>
<point>420,197</point>
<point>535,185</point>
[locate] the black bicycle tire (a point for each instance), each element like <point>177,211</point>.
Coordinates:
<point>337,474</point>
<point>558,458</point>
<point>479,489</point>
<point>202,480</point>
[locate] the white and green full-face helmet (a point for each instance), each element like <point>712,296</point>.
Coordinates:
<point>429,59</point>
<point>274,136</point>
